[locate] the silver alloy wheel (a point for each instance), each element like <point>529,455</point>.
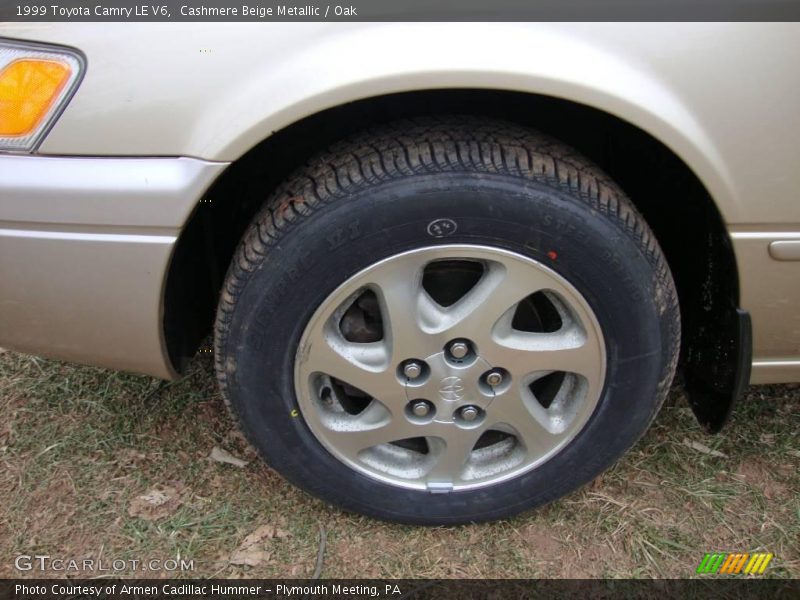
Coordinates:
<point>359,403</point>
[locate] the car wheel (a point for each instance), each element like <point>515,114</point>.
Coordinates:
<point>444,321</point>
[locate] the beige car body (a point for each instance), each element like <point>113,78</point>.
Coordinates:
<point>89,223</point>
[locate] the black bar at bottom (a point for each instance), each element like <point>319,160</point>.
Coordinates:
<point>395,589</point>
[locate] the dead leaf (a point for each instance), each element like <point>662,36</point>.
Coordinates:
<point>265,532</point>
<point>251,551</point>
<point>223,456</point>
<point>157,503</point>
<point>251,557</point>
<point>767,438</point>
<point>702,448</point>
<point>795,453</point>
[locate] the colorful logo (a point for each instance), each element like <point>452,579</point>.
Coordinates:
<point>735,564</point>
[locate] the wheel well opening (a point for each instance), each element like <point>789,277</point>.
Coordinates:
<point>674,202</point>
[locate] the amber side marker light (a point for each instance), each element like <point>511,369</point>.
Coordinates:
<point>28,89</point>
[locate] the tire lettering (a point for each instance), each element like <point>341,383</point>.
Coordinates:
<point>440,228</point>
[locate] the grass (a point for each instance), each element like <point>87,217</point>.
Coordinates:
<point>78,445</point>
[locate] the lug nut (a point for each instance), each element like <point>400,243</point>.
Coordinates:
<point>412,370</point>
<point>469,413</point>
<point>458,349</point>
<point>420,408</point>
<point>494,379</point>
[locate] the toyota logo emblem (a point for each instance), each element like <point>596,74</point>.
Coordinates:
<point>451,389</point>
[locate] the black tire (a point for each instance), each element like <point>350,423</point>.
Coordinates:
<point>373,196</point>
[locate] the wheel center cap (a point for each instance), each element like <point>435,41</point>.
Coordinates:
<point>451,385</point>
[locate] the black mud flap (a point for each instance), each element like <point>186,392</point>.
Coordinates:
<point>717,366</point>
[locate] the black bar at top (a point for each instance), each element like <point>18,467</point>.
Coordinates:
<point>399,10</point>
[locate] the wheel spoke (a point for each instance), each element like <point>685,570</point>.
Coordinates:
<point>518,411</point>
<point>496,294</point>
<point>405,307</point>
<point>372,427</point>
<point>571,351</point>
<point>451,452</point>
<point>363,366</point>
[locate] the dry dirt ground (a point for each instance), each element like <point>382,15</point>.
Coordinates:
<point>109,466</point>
